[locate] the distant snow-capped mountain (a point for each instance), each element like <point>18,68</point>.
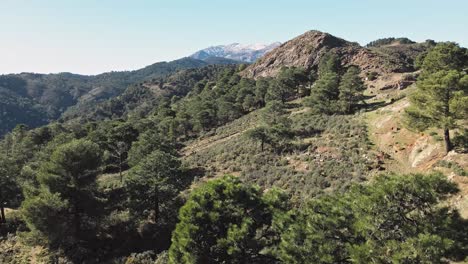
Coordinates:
<point>236,51</point>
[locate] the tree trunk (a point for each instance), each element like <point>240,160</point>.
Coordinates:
<point>2,216</point>
<point>77,222</point>
<point>120,172</point>
<point>262,145</point>
<point>448,143</point>
<point>120,167</point>
<point>156,204</point>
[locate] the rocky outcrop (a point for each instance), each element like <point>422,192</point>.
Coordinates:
<point>307,49</point>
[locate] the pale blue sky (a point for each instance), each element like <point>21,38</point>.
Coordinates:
<point>93,36</point>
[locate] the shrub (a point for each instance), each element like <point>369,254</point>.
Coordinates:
<point>371,76</point>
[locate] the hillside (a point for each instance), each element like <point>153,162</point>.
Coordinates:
<point>141,98</point>
<point>322,151</point>
<point>47,96</point>
<point>328,154</point>
<point>307,49</point>
<point>331,153</point>
<point>407,151</point>
<point>50,97</point>
<point>15,109</point>
<point>392,65</point>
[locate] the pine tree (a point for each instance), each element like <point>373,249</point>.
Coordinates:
<point>67,191</point>
<point>259,134</point>
<point>261,88</point>
<point>287,84</point>
<point>275,129</point>
<point>153,184</point>
<point>10,190</point>
<point>324,94</point>
<point>351,88</point>
<point>225,221</point>
<point>147,142</point>
<point>396,218</point>
<point>442,91</point>
<point>330,62</point>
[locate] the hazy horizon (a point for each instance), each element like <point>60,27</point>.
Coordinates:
<point>89,37</point>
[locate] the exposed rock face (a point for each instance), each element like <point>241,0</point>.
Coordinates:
<point>307,49</point>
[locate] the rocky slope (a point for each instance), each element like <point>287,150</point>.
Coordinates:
<point>235,51</point>
<point>405,151</point>
<point>307,49</point>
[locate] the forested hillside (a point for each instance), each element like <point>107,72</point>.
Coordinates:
<point>36,99</point>
<point>323,151</point>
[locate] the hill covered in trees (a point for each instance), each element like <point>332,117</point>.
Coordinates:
<point>357,156</point>
<point>36,99</point>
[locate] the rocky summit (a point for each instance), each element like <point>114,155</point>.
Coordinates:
<point>307,50</point>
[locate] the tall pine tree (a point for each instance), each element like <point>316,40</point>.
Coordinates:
<point>226,221</point>
<point>324,94</point>
<point>441,98</point>
<point>63,207</point>
<point>351,88</point>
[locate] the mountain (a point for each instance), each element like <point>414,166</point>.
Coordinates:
<point>36,99</point>
<point>236,51</point>
<point>307,49</point>
<point>253,159</point>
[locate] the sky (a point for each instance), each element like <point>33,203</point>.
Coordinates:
<point>94,36</point>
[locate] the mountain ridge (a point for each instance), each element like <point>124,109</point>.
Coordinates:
<point>236,51</point>
<point>48,96</point>
<point>307,49</point>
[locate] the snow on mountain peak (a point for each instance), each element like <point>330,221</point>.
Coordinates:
<point>236,51</point>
